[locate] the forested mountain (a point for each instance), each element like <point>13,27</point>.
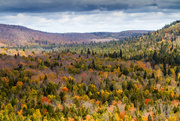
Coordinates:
<point>12,35</point>
<point>136,79</point>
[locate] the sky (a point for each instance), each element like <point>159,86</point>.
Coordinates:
<point>65,16</point>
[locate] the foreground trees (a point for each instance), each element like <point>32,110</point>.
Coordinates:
<point>109,90</point>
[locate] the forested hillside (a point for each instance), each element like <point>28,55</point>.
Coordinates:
<point>12,35</point>
<point>136,79</point>
<point>155,47</point>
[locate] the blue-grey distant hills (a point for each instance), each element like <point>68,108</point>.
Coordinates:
<point>14,35</point>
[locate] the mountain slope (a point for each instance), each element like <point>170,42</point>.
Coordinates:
<point>161,45</point>
<point>13,35</point>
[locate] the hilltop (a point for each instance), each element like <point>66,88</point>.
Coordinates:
<point>13,35</point>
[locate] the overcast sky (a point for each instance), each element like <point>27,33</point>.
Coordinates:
<point>89,15</point>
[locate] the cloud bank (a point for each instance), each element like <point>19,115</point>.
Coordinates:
<point>110,21</point>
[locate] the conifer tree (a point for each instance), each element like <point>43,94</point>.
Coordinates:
<point>88,52</point>
<point>149,118</point>
<point>120,53</point>
<point>164,68</point>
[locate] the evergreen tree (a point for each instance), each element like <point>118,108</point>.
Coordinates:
<point>145,75</point>
<point>92,52</point>
<point>177,71</point>
<point>58,57</point>
<point>15,56</point>
<point>120,54</point>
<point>149,118</point>
<point>114,55</point>
<point>164,68</point>
<point>88,52</point>
<point>155,57</point>
<point>93,64</point>
<point>153,75</point>
<point>169,71</point>
<point>81,52</point>
<point>45,77</point>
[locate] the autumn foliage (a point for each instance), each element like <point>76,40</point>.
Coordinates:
<point>65,89</point>
<point>147,100</point>
<point>46,100</point>
<point>20,83</point>
<point>122,114</point>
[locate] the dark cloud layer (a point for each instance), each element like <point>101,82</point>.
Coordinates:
<point>82,5</point>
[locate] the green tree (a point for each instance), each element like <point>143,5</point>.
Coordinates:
<point>88,52</point>
<point>120,54</point>
<point>149,118</point>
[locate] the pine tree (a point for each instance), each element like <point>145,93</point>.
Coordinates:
<point>58,57</point>
<point>153,75</point>
<point>45,77</point>
<point>149,118</point>
<point>81,52</point>
<point>164,67</point>
<point>120,54</point>
<point>169,71</point>
<point>88,52</point>
<point>15,56</point>
<point>93,64</point>
<point>92,52</point>
<point>114,55</point>
<point>177,71</point>
<point>155,57</point>
<point>145,75</point>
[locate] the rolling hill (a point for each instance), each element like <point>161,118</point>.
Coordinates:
<point>13,35</point>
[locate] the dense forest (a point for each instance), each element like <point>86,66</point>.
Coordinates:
<point>134,79</point>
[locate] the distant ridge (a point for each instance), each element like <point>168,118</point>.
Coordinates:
<point>15,35</point>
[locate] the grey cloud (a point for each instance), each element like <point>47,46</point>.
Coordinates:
<point>40,6</point>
